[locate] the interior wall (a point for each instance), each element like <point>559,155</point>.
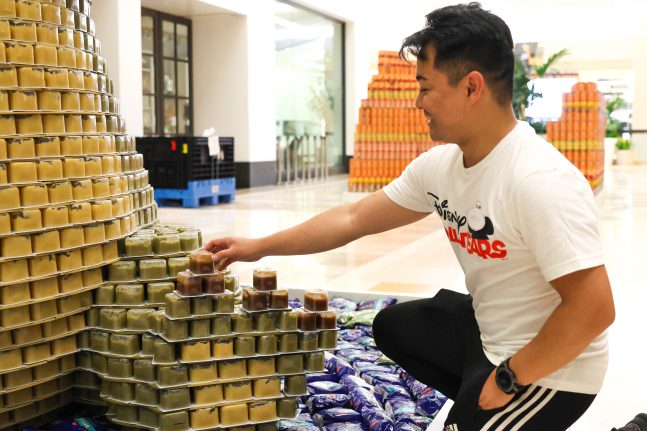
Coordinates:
<point>220,78</point>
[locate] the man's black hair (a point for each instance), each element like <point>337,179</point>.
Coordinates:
<point>466,38</point>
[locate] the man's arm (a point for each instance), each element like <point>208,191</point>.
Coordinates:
<point>586,310</point>
<point>326,231</point>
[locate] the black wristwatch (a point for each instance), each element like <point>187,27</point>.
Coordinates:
<point>505,378</point>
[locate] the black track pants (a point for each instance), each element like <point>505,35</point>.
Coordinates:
<point>437,340</point>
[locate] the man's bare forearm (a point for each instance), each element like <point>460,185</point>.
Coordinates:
<point>323,232</point>
<point>339,226</point>
<point>572,326</point>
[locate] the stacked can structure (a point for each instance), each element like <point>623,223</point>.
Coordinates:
<point>122,307</point>
<point>71,186</point>
<point>180,354</point>
<point>579,133</point>
<point>391,131</point>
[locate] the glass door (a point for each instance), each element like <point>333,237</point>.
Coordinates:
<point>310,80</point>
<point>166,74</point>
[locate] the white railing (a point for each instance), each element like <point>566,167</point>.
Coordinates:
<point>301,158</point>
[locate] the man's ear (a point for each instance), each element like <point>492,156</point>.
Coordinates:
<point>474,84</point>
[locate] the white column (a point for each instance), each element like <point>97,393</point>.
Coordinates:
<point>639,112</point>
<point>118,26</point>
<point>261,96</point>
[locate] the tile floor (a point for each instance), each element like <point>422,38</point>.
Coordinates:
<point>417,260</point>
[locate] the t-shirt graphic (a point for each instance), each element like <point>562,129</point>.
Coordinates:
<point>480,227</point>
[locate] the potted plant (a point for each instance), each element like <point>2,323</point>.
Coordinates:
<point>523,91</point>
<point>624,153</point>
<point>614,126</point>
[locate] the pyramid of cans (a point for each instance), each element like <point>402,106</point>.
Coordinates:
<point>136,286</point>
<point>71,186</point>
<point>204,360</point>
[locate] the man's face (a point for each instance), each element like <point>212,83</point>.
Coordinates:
<point>442,103</point>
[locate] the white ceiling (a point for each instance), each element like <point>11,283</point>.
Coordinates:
<point>185,8</point>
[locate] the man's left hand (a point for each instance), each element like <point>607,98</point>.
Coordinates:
<point>491,396</point>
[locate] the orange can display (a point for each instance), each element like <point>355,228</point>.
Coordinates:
<point>579,133</point>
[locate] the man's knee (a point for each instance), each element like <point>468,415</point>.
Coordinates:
<point>384,325</point>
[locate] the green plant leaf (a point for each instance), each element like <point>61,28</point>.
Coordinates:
<point>542,69</point>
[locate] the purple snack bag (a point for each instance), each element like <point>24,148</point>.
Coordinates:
<point>366,342</point>
<point>353,381</point>
<point>338,365</point>
<point>421,422</point>
<point>326,388</point>
<point>304,416</point>
<point>376,304</point>
<point>351,334</point>
<point>365,356</point>
<point>363,366</point>
<point>336,414</point>
<point>360,397</point>
<point>367,329</point>
<point>373,377</point>
<point>350,353</point>
<point>344,345</point>
<point>397,407</point>
<point>322,377</point>
<point>345,426</point>
<point>430,403</point>
<point>295,303</point>
<point>341,304</point>
<point>319,402</point>
<point>296,425</point>
<point>389,391</point>
<point>416,387</point>
<point>376,419</point>
<point>406,426</point>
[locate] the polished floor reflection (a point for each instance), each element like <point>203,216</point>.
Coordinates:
<point>417,260</point>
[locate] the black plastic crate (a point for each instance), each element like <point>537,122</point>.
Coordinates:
<point>174,161</point>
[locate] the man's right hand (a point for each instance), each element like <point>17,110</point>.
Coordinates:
<point>233,249</point>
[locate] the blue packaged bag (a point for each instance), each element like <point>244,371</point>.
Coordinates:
<point>296,425</point>
<point>376,419</point>
<point>406,426</point>
<point>363,367</point>
<point>360,397</point>
<point>344,345</point>
<point>415,387</point>
<point>367,329</point>
<point>352,381</point>
<point>351,334</point>
<point>336,414</point>
<point>376,304</point>
<point>389,391</point>
<point>430,402</point>
<point>374,377</point>
<point>345,426</point>
<point>338,303</point>
<point>421,422</point>
<point>397,407</point>
<point>338,365</point>
<point>322,377</point>
<point>319,402</point>
<point>326,388</point>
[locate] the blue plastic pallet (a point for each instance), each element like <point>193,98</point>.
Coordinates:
<point>202,192</point>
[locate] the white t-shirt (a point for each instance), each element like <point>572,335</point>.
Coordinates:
<point>520,218</point>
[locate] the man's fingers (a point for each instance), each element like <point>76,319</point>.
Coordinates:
<point>222,259</point>
<point>217,244</point>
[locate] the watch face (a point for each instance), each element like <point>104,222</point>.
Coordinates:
<point>503,380</point>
